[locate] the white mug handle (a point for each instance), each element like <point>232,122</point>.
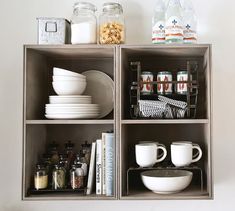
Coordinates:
<point>197,147</point>
<point>164,153</point>
<point>160,154</point>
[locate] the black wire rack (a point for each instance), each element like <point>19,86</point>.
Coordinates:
<point>190,97</point>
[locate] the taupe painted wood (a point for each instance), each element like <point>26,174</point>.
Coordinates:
<point>114,60</point>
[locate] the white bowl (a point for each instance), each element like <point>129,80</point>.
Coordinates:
<point>67,78</point>
<point>69,87</point>
<point>62,72</point>
<point>166,181</point>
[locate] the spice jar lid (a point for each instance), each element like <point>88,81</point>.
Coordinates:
<point>53,145</point>
<point>85,5</point>
<point>86,144</point>
<point>112,6</point>
<point>69,144</point>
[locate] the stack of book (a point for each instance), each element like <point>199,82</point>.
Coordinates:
<point>102,165</point>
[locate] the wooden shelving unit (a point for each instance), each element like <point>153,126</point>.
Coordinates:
<point>114,60</point>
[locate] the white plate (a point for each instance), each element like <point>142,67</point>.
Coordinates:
<point>72,105</point>
<point>71,116</point>
<point>70,96</point>
<point>66,110</point>
<point>101,87</point>
<point>70,100</point>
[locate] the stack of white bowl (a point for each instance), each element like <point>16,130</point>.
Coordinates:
<point>70,103</point>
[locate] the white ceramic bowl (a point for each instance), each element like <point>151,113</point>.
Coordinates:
<point>166,181</point>
<point>69,87</point>
<point>62,72</point>
<point>67,78</point>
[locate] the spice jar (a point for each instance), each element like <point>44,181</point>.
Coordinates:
<point>164,88</point>
<point>46,161</point>
<point>53,151</point>
<point>112,27</point>
<point>83,24</point>
<point>69,151</point>
<point>40,177</point>
<point>86,150</point>
<point>58,177</point>
<point>76,176</point>
<point>80,160</point>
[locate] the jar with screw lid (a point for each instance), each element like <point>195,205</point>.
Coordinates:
<point>58,177</point>
<point>112,26</point>
<point>77,176</point>
<point>84,24</point>
<point>40,177</point>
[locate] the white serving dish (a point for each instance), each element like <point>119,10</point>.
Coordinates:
<point>62,72</point>
<point>101,87</point>
<point>73,105</point>
<point>72,110</point>
<point>166,181</point>
<point>69,87</point>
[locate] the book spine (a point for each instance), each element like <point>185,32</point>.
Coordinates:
<point>103,164</point>
<point>91,173</point>
<point>98,166</point>
<point>110,158</point>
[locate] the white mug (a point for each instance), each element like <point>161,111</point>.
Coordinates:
<point>146,154</point>
<point>182,153</point>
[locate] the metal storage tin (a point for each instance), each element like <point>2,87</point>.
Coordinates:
<point>164,89</point>
<point>146,89</point>
<point>53,31</point>
<point>182,88</point>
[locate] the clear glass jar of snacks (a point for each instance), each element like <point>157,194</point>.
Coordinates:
<point>112,24</point>
<point>84,24</point>
<point>76,176</point>
<point>58,177</point>
<point>40,177</point>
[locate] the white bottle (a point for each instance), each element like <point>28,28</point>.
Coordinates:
<point>158,23</point>
<point>190,23</point>
<point>174,22</point>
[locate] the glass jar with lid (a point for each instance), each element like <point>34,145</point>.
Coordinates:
<point>76,176</point>
<point>58,177</point>
<point>112,24</point>
<point>40,177</point>
<point>84,24</point>
<point>53,151</point>
<point>69,150</point>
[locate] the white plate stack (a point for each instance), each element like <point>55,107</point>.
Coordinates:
<point>70,103</point>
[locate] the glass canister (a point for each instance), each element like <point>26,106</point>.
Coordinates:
<point>84,24</point>
<point>86,150</point>
<point>58,177</point>
<point>40,177</point>
<point>112,24</point>
<point>53,151</point>
<point>76,176</point>
<point>69,150</point>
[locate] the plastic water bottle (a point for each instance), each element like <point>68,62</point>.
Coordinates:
<point>190,23</point>
<point>158,23</point>
<point>174,22</point>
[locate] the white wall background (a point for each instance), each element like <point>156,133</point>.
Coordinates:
<point>18,26</point>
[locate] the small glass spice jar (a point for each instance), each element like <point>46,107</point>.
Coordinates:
<point>80,160</point>
<point>69,150</point>
<point>84,24</point>
<point>58,177</point>
<point>40,177</point>
<point>76,176</point>
<point>86,150</point>
<point>112,26</point>
<point>53,151</point>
